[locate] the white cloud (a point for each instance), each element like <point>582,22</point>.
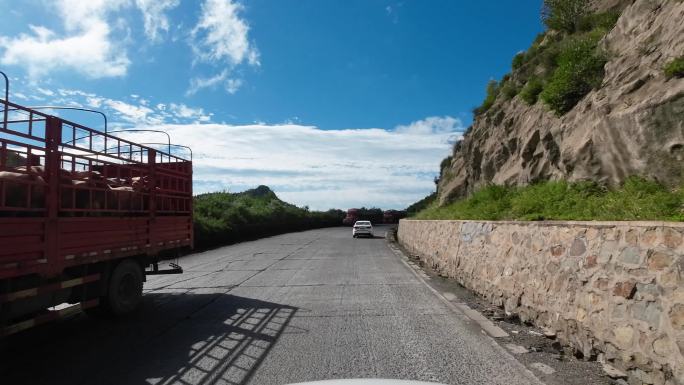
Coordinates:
<point>433,125</point>
<point>45,92</point>
<point>86,47</point>
<point>92,38</point>
<point>231,85</point>
<point>199,83</point>
<point>393,11</point>
<point>140,111</point>
<point>154,16</point>
<point>221,37</point>
<point>129,112</point>
<point>185,112</point>
<point>319,168</point>
<point>67,92</point>
<point>19,95</point>
<point>94,101</point>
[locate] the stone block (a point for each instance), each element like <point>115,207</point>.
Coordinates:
<point>625,289</point>
<point>648,312</point>
<point>578,247</point>
<point>662,346</point>
<point>591,261</point>
<point>557,250</point>
<point>630,255</point>
<point>680,344</point>
<point>677,316</point>
<point>606,252</point>
<point>672,238</point>
<point>649,238</point>
<point>659,260</point>
<point>619,311</point>
<point>613,372</point>
<point>601,283</point>
<point>623,336</point>
<point>647,292</point>
<point>632,237</point>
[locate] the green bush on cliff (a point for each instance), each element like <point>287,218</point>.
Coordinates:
<point>493,89</point>
<point>518,60</point>
<point>564,15</point>
<point>635,199</point>
<point>675,68</point>
<point>579,70</point>
<point>509,90</point>
<point>530,93</point>
<point>604,20</point>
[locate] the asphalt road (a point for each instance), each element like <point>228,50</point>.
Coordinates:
<point>297,307</point>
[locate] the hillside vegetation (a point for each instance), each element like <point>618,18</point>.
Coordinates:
<point>223,218</point>
<point>636,199</point>
<point>563,64</point>
<point>598,96</point>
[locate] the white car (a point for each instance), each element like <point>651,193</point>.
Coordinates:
<point>362,228</point>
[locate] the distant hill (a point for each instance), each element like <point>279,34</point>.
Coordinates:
<point>223,218</point>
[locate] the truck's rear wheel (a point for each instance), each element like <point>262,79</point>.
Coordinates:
<point>124,291</point>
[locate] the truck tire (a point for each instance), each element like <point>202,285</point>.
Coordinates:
<point>124,291</point>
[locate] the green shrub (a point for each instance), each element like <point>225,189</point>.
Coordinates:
<point>509,90</point>
<point>518,60</point>
<point>493,89</point>
<point>604,20</point>
<point>548,58</point>
<point>564,15</point>
<point>421,204</point>
<point>446,162</point>
<point>580,68</point>
<point>530,93</point>
<point>636,199</point>
<point>675,68</point>
<point>487,203</point>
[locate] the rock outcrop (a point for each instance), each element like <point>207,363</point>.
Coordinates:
<point>633,124</point>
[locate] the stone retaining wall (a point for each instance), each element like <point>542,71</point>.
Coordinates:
<point>614,290</point>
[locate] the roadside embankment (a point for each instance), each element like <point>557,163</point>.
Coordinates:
<point>613,290</point>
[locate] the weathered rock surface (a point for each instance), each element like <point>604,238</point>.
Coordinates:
<point>604,288</point>
<point>632,125</point>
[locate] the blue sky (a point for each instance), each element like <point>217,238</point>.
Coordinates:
<point>331,103</point>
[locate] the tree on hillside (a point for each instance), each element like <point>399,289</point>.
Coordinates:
<point>564,15</point>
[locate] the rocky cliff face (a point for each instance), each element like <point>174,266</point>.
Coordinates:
<point>633,124</point>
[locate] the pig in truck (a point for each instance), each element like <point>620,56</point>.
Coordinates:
<point>85,216</point>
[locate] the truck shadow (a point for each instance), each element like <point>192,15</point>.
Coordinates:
<point>178,338</point>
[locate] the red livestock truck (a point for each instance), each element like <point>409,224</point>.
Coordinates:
<point>84,217</point>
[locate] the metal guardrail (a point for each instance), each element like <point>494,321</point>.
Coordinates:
<point>6,85</point>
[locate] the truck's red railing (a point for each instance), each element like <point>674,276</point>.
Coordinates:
<point>93,196</point>
<point>99,173</point>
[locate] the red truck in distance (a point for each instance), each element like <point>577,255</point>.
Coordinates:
<point>85,216</point>
<point>351,217</point>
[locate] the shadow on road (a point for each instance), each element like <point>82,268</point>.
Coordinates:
<point>373,237</point>
<point>178,338</point>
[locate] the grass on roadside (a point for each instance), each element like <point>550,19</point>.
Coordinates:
<point>636,199</point>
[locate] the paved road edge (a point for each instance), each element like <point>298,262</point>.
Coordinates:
<point>489,330</point>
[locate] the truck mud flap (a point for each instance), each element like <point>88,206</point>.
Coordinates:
<point>174,269</point>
